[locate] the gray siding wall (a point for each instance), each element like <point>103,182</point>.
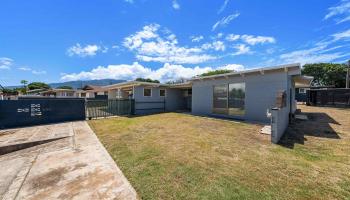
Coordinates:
<point>173,100</point>
<point>280,121</point>
<point>261,90</point>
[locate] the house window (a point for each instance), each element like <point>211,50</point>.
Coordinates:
<point>83,95</point>
<point>302,90</point>
<point>229,99</point>
<point>162,93</point>
<point>147,92</point>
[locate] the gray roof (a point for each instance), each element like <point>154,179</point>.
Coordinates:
<point>295,65</point>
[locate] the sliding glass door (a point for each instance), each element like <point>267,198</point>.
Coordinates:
<point>229,99</point>
<point>220,99</point>
<point>236,99</point>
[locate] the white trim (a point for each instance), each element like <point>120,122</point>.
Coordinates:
<point>254,70</point>
<point>164,92</point>
<point>144,92</point>
<point>304,92</point>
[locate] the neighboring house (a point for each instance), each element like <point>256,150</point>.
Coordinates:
<point>59,93</point>
<point>91,91</point>
<point>301,92</point>
<point>35,92</point>
<point>247,95</point>
<point>153,97</point>
<point>5,96</point>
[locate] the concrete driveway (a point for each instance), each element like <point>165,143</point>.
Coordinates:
<point>59,161</point>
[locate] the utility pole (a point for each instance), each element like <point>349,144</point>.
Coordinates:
<point>348,75</point>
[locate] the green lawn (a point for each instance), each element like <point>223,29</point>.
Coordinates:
<point>179,156</point>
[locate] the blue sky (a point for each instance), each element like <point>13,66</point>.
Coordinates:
<point>61,40</point>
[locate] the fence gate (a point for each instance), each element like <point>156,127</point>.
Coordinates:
<point>27,112</point>
<point>109,107</point>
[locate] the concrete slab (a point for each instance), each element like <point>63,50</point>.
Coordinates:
<point>266,130</point>
<point>35,133</point>
<point>77,167</point>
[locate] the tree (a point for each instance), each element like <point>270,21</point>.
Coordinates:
<point>147,80</point>
<point>65,87</point>
<point>24,83</point>
<point>38,85</point>
<point>326,74</point>
<point>7,91</point>
<point>216,72</point>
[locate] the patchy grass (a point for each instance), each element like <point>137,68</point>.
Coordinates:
<point>179,156</point>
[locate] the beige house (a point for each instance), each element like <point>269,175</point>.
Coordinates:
<point>59,93</point>
<point>91,91</point>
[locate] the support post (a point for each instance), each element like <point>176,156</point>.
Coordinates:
<point>348,75</point>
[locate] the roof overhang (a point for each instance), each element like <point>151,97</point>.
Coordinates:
<point>302,81</point>
<point>291,69</point>
<point>133,84</point>
<point>182,85</point>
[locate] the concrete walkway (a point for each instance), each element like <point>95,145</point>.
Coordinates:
<point>74,166</point>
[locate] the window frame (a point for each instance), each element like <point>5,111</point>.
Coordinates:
<point>304,89</point>
<point>147,89</point>
<point>226,111</point>
<point>164,92</point>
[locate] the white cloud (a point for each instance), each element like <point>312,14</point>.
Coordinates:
<point>196,38</point>
<point>342,35</point>
<point>216,45</point>
<point>234,67</point>
<point>38,72</point>
<point>311,55</point>
<point>175,5</point>
<point>222,8</point>
<point>33,71</point>
<point>253,40</point>
<point>341,11</point>
<point>130,72</point>
<point>83,51</point>
<point>129,1</point>
<point>219,35</point>
<point>250,39</point>
<point>241,49</point>
<point>25,68</point>
<point>149,45</point>
<point>225,21</point>
<point>5,63</point>
<point>168,72</point>
<point>194,59</point>
<point>232,37</point>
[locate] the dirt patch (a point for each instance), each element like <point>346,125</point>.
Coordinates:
<point>2,133</point>
<point>89,182</point>
<point>79,166</point>
<point>48,179</point>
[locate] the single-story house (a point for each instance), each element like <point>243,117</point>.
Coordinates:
<point>92,91</point>
<point>59,93</point>
<point>247,95</point>
<point>153,97</point>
